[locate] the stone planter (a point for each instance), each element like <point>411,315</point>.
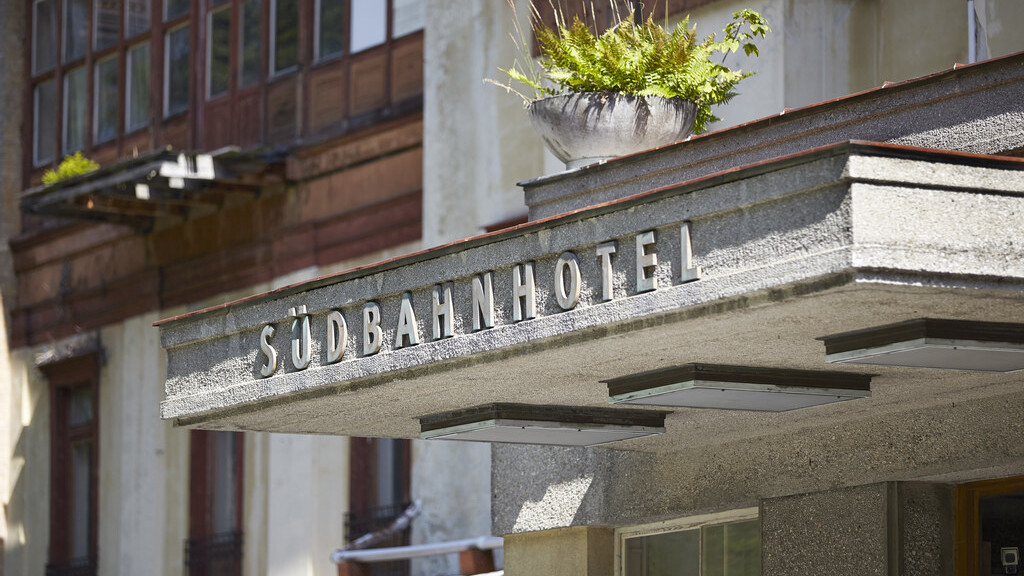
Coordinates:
<point>581,129</point>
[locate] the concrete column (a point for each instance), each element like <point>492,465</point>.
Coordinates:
<point>887,528</point>
<point>575,551</point>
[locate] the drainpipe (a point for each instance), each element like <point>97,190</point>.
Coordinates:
<point>972,34</point>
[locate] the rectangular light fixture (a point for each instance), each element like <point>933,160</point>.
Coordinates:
<point>533,424</point>
<point>737,388</point>
<point>932,343</point>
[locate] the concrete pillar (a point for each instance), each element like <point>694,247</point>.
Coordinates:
<point>575,551</point>
<point>888,528</point>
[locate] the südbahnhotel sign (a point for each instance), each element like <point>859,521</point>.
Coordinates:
<point>566,282</point>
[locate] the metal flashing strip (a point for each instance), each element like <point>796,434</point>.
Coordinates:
<point>932,343</point>
<point>738,388</point>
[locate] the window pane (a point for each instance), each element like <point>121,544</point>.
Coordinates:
<point>107,18</point>
<point>74,110</point>
<point>76,29</point>
<point>731,549</point>
<point>106,99</point>
<point>45,121</point>
<point>44,36</point>
<point>81,500</point>
<point>330,28</point>
<point>668,554</point>
<point>250,41</point>
<point>176,71</point>
<point>80,406</point>
<point>137,92</point>
<point>406,17</point>
<point>219,52</point>
<point>175,8</point>
<point>136,16</point>
<point>743,549</point>
<point>286,35</point>
<point>369,24</point>
<point>225,472</point>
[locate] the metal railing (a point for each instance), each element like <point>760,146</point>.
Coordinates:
<point>366,521</point>
<point>76,567</point>
<point>217,555</point>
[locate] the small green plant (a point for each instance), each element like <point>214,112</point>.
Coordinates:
<point>69,167</point>
<point>635,58</point>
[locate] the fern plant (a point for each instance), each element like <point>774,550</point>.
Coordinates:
<point>642,59</point>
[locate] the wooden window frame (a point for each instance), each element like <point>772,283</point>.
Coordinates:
<point>118,95</point>
<point>234,50</point>
<point>967,531</point>
<point>32,164</point>
<point>64,377</point>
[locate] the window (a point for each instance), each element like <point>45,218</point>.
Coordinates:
<point>175,8</point>
<point>284,39</point>
<point>329,29</point>
<point>218,53</point>
<point>44,122</point>
<point>176,71</point>
<point>137,91</point>
<point>106,99</point>
<point>44,36</point>
<point>378,494</point>
<point>369,24</point>
<point>406,17</point>
<point>76,29</point>
<point>136,17</point>
<point>107,18</point>
<point>249,41</point>
<point>988,520</point>
<point>73,456</point>
<point>713,545</point>
<point>74,110</point>
<point>214,546</point>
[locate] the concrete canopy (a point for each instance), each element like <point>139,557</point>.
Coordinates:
<point>835,239</point>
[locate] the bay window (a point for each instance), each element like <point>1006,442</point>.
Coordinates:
<point>105,106</point>
<point>107,19</point>
<point>137,89</point>
<point>44,36</point>
<point>74,110</point>
<point>76,29</point>
<point>176,70</point>
<point>44,122</point>
<point>284,38</point>
<point>249,42</point>
<point>218,52</point>
<point>329,29</point>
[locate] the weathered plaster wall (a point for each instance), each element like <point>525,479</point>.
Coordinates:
<point>27,492</point>
<point>143,462</point>
<point>11,85</point>
<point>477,142</point>
<point>453,481</point>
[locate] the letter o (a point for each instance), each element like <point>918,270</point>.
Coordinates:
<point>567,296</point>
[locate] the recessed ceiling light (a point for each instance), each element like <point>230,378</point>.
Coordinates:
<point>737,388</point>
<point>932,343</point>
<point>532,424</point>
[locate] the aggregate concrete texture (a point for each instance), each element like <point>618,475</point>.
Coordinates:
<point>838,239</point>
